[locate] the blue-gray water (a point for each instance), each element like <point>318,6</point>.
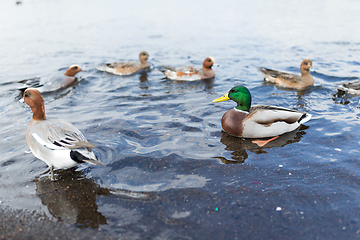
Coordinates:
<point>170,172</point>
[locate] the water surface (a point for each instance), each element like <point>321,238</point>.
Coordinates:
<point>170,172</point>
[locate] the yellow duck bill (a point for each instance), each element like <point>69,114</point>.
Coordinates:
<point>221,99</point>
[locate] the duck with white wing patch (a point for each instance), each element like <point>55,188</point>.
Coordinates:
<point>56,142</point>
<point>259,121</point>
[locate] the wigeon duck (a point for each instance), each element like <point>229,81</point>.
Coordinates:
<point>258,121</point>
<point>56,142</point>
<point>126,68</point>
<point>352,87</point>
<point>53,83</point>
<point>189,73</point>
<point>290,80</point>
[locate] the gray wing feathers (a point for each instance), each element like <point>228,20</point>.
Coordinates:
<point>277,74</point>
<point>62,134</point>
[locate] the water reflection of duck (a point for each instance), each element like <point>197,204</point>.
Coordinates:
<point>126,68</point>
<point>72,198</point>
<point>259,121</point>
<point>189,73</point>
<point>143,77</point>
<point>290,80</point>
<point>238,146</point>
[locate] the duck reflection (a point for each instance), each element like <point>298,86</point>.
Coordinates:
<point>299,94</point>
<point>238,146</point>
<point>209,85</point>
<point>143,76</point>
<point>342,97</point>
<point>72,198</point>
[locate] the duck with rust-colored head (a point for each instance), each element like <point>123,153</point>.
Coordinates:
<point>190,73</point>
<point>53,82</point>
<point>290,80</point>
<point>259,121</point>
<point>56,142</point>
<point>126,68</point>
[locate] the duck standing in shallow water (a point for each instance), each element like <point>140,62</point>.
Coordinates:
<point>191,74</point>
<point>290,80</point>
<point>259,121</point>
<point>56,142</point>
<point>126,68</point>
<point>53,83</point>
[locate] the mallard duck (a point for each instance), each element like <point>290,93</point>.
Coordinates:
<point>126,68</point>
<point>258,121</point>
<point>190,73</point>
<point>290,80</point>
<point>56,142</point>
<point>53,82</point>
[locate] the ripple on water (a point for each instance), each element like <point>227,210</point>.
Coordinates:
<point>170,172</point>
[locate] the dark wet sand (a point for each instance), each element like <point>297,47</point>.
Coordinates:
<point>23,224</point>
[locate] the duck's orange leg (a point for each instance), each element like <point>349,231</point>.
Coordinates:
<point>262,143</point>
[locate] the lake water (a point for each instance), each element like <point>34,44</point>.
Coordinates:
<point>170,172</point>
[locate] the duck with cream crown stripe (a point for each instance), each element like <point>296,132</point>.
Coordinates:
<point>53,83</point>
<point>290,80</point>
<point>56,142</point>
<point>259,121</point>
<point>189,73</point>
<point>126,68</point>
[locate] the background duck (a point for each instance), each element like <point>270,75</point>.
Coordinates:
<point>259,121</point>
<point>290,80</point>
<point>56,142</point>
<point>190,73</point>
<point>126,68</point>
<point>352,87</point>
<point>53,82</point>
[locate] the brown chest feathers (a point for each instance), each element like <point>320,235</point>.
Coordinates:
<point>232,122</point>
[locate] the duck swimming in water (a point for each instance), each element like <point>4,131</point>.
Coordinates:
<point>259,121</point>
<point>126,68</point>
<point>290,80</point>
<point>190,73</point>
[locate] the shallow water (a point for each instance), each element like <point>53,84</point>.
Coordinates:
<point>170,172</point>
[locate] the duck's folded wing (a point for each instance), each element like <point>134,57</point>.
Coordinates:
<point>289,77</point>
<point>30,83</point>
<point>121,68</point>
<point>59,135</point>
<point>102,67</point>
<point>267,115</point>
<point>353,85</point>
<point>129,64</point>
<point>186,69</point>
<point>277,74</point>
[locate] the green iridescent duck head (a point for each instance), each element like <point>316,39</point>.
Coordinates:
<point>239,94</point>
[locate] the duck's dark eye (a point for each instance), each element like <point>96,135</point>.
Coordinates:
<point>305,63</point>
<point>209,60</point>
<point>26,95</point>
<point>75,67</point>
<point>234,91</point>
